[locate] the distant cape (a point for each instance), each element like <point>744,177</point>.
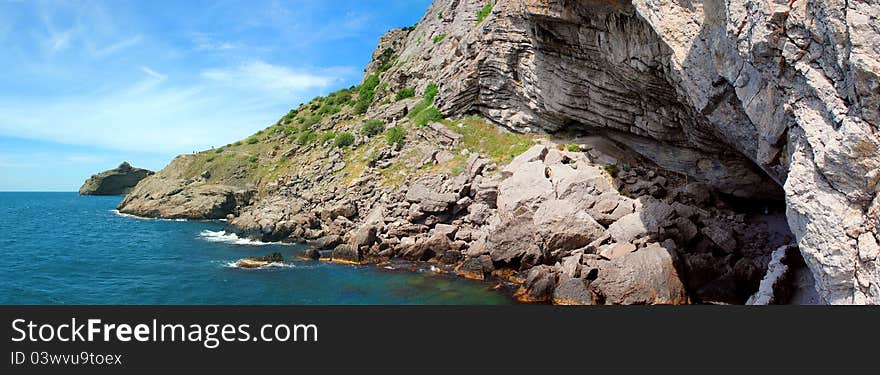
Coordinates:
<point>118,181</point>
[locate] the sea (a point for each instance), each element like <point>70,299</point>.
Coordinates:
<point>66,249</point>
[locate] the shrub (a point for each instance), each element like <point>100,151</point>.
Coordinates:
<point>306,137</point>
<point>574,148</point>
<point>290,115</point>
<point>431,92</point>
<point>439,38</point>
<point>328,109</point>
<point>611,169</point>
<point>310,121</point>
<point>237,143</point>
<point>344,139</point>
<point>361,107</point>
<point>373,127</point>
<point>426,116</point>
<point>252,140</point>
<point>405,93</point>
<point>395,135</point>
<point>327,136</point>
<point>253,159</point>
<point>484,12</point>
<point>219,150</point>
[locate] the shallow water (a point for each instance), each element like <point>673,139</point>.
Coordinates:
<point>60,248</point>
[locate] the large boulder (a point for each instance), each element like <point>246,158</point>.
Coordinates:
<point>645,277</point>
<point>525,190</point>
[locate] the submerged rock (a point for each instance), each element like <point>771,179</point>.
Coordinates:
<point>261,261</point>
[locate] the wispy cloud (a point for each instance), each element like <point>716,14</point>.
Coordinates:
<point>113,48</point>
<point>152,73</point>
<point>261,76</point>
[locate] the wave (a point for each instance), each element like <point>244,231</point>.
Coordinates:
<point>130,216</point>
<point>231,238</point>
<point>270,265</point>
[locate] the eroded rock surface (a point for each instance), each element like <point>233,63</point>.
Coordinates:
<point>117,181</point>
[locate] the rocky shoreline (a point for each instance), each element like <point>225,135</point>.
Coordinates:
<point>117,181</point>
<point>623,152</point>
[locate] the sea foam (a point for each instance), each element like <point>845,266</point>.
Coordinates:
<point>230,238</point>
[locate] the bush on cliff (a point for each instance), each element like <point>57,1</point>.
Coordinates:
<point>395,135</point>
<point>405,93</point>
<point>484,12</point>
<point>306,137</point>
<point>373,127</point>
<point>344,139</point>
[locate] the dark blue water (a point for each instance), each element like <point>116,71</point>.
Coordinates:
<point>60,248</point>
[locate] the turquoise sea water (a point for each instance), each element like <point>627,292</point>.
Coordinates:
<point>60,248</point>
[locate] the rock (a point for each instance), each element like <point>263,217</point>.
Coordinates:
<point>427,193</point>
<point>617,250</point>
<point>535,154</point>
<point>514,244</point>
<point>721,235</point>
<point>364,236</point>
<point>326,242</point>
<point>471,268</point>
<point>539,285</point>
<point>645,277</point>
<point>262,261</point>
<point>347,254</point>
<point>572,291</point>
<point>628,228</point>
<point>525,190</point>
<point>564,226</point>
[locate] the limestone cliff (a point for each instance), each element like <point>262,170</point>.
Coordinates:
<point>749,96</point>
<point>117,181</point>
<point>659,123</point>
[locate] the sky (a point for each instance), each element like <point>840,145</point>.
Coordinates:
<point>85,85</point>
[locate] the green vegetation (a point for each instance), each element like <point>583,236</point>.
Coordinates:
<point>328,109</point>
<point>219,150</point>
<point>373,127</point>
<point>480,136</point>
<point>327,136</point>
<point>253,159</point>
<point>386,60</point>
<point>428,115</point>
<point>395,135</point>
<point>484,12</point>
<point>252,140</point>
<point>344,139</point>
<point>611,169</point>
<point>431,92</point>
<point>574,148</point>
<point>289,116</point>
<point>366,94</point>
<point>404,93</point>
<point>439,38</point>
<point>306,137</point>
<point>310,121</point>
<point>440,15</point>
<point>423,112</point>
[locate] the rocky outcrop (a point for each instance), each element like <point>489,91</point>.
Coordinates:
<point>118,181</point>
<point>755,98</point>
<point>170,194</point>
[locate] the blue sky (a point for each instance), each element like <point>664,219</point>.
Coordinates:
<point>85,85</point>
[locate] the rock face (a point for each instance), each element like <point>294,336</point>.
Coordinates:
<point>117,181</point>
<point>751,97</point>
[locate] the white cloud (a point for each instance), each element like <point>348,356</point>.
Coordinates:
<point>155,115</point>
<point>261,76</point>
<point>153,73</point>
<point>116,47</point>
